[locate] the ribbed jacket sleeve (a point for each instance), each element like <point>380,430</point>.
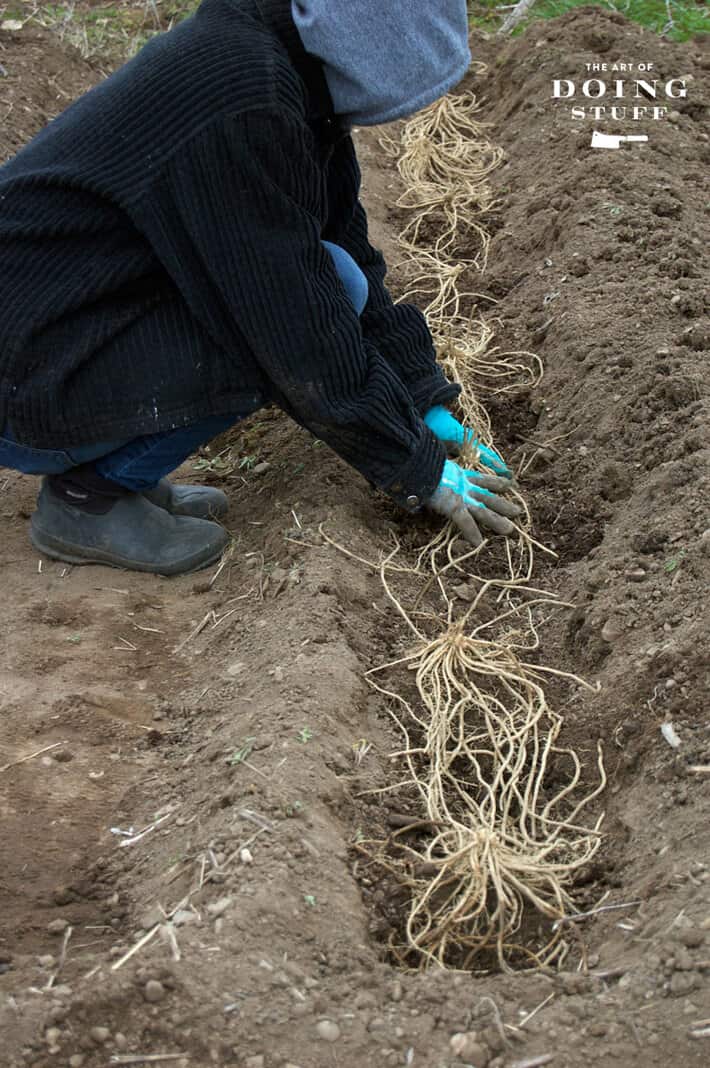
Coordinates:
<point>399,331</point>
<point>251,267</point>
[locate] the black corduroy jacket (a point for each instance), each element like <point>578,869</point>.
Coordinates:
<point>161,259</point>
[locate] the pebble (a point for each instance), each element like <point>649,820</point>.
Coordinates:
<point>63,756</point>
<point>76,1060</point>
<point>465,1046</point>
<point>637,574</point>
<point>100,1034</point>
<point>683,982</point>
<point>692,937</point>
<point>152,917</point>
<point>705,542</point>
<point>52,1036</point>
<point>184,916</point>
<point>259,469</point>
<point>364,999</point>
<point>120,1041</point>
<point>220,906</point>
<point>328,1030</point>
<point>254,1062</point>
<point>153,991</point>
<point>57,927</point>
<point>62,895</point>
<point>612,630</point>
<point>47,961</point>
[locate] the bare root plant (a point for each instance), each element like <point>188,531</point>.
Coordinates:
<point>504,837</point>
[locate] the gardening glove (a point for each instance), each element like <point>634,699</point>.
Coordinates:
<point>447,429</point>
<point>470,501</point>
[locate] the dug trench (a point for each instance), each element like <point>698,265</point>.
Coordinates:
<point>228,711</point>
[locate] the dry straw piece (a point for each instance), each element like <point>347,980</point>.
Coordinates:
<point>503,803</point>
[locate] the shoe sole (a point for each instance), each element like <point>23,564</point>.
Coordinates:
<point>71,554</point>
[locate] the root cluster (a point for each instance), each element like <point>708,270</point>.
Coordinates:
<point>502,803</point>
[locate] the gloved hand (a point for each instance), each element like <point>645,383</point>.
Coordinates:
<point>448,430</point>
<point>470,500</point>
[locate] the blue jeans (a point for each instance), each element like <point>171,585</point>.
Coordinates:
<point>140,463</point>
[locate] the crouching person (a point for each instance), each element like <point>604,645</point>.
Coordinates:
<point>185,244</point>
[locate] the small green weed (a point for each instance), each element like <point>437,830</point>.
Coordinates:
<point>244,753</point>
<point>216,465</point>
<point>305,734</point>
<point>674,562</point>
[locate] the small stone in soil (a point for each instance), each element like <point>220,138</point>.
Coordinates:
<point>52,1036</point>
<point>692,937</point>
<point>100,1034</point>
<point>464,1046</point>
<point>153,990</point>
<point>328,1030</point>
<point>151,917</point>
<point>57,927</point>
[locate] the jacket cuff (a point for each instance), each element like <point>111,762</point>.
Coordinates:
<point>436,389</point>
<point>417,480</point>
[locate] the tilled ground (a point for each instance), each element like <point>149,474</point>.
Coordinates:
<point>228,709</point>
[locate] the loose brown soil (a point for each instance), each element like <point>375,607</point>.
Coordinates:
<point>229,706</point>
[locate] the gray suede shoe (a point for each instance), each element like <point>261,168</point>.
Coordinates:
<point>133,533</point>
<point>203,502</point>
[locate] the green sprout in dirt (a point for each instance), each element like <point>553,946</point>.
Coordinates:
<point>241,755</point>
<point>310,900</point>
<point>674,562</point>
<point>305,734</point>
<point>247,462</point>
<point>614,209</point>
<point>215,465</point>
<point>294,808</point>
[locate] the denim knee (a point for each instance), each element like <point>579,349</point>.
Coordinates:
<point>350,275</point>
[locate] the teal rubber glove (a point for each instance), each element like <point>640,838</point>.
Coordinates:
<point>470,500</point>
<point>448,430</point>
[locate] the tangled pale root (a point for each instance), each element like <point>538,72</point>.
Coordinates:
<point>502,843</point>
